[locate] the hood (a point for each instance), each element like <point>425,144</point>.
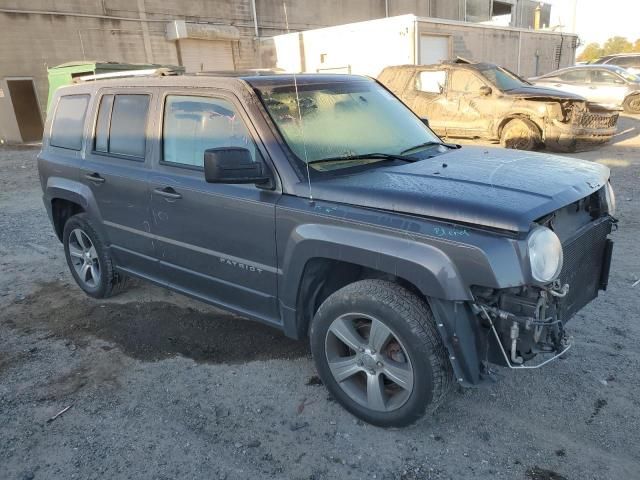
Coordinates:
<point>534,91</point>
<point>491,187</point>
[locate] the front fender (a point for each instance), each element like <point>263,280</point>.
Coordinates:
<point>423,265</point>
<point>426,266</point>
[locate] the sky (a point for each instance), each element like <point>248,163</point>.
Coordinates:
<point>597,20</point>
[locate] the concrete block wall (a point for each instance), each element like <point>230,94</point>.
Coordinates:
<point>30,42</point>
<point>528,53</point>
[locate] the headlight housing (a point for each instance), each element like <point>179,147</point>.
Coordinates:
<point>545,254</point>
<point>610,199</point>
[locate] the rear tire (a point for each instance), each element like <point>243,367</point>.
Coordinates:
<point>376,348</point>
<point>631,104</point>
<point>520,134</point>
<point>89,261</point>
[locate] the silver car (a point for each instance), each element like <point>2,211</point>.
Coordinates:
<point>606,85</point>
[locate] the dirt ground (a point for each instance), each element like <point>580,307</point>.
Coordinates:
<point>163,387</point>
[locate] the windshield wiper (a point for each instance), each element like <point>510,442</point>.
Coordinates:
<point>364,156</point>
<point>453,146</point>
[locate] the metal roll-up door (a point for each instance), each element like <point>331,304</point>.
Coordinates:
<point>205,55</point>
<point>433,49</point>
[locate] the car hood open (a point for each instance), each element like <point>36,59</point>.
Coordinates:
<point>536,92</point>
<point>491,187</point>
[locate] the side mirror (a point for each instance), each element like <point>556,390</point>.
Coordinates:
<point>233,165</point>
<point>425,121</point>
<point>485,90</point>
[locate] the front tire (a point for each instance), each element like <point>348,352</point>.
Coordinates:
<point>520,134</point>
<point>88,259</point>
<point>376,348</point>
<point>632,104</point>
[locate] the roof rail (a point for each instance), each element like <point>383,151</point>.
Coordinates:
<point>239,73</point>
<point>147,72</point>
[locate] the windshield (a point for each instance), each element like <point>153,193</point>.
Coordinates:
<point>342,119</point>
<point>502,78</point>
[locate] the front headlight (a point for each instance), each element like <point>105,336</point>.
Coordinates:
<point>610,198</point>
<point>545,254</point>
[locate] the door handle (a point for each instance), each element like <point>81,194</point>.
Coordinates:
<point>94,177</point>
<point>558,85</point>
<point>167,192</point>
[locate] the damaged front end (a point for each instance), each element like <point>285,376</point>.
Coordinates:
<point>576,125</point>
<point>525,321</point>
<point>523,326</point>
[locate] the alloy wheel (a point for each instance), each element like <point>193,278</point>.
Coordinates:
<point>369,362</point>
<point>84,258</point>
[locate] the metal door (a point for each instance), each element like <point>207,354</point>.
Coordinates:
<point>213,241</point>
<point>116,169</point>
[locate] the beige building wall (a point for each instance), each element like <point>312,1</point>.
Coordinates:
<point>526,52</point>
<point>37,34</point>
<point>105,30</point>
<point>367,47</point>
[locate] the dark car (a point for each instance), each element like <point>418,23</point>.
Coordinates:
<point>628,61</point>
<point>322,206</point>
<point>481,100</point>
<point>606,85</point>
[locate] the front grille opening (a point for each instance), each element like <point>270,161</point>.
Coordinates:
<point>583,259</point>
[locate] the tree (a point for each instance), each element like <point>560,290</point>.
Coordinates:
<point>590,52</point>
<point>613,45</point>
<point>617,45</point>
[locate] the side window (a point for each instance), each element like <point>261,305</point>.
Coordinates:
<point>194,124</point>
<point>121,125</point>
<point>626,62</point>
<point>602,76</point>
<point>462,81</point>
<point>103,123</point>
<point>578,76</point>
<point>68,122</point>
<point>432,81</point>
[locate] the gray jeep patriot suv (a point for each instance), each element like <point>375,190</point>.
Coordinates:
<point>321,205</point>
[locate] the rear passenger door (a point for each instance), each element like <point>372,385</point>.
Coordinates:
<point>607,88</point>
<point>214,241</point>
<point>116,169</point>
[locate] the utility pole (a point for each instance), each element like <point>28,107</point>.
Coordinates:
<point>573,16</point>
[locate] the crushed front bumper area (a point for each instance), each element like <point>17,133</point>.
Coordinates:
<point>585,130</point>
<point>509,327</point>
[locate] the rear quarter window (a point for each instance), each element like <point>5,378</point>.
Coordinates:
<point>68,122</point>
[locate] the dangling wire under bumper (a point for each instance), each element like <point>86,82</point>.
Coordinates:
<point>504,353</point>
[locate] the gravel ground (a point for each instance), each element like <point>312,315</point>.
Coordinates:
<point>162,387</point>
